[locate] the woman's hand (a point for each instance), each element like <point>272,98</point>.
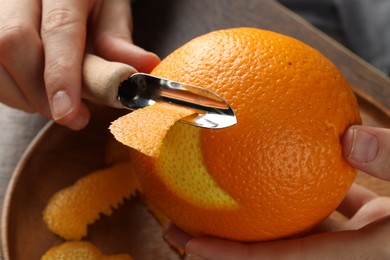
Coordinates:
<point>42,45</point>
<point>365,233</point>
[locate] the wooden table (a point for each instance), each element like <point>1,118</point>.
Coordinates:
<point>162,26</point>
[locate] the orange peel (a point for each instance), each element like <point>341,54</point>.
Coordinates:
<point>134,128</point>
<point>72,209</point>
<point>76,250</point>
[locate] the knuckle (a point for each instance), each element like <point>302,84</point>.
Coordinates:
<point>15,35</point>
<point>21,104</point>
<point>58,19</point>
<point>55,71</point>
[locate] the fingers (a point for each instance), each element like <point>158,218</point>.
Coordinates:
<point>42,45</point>
<point>176,237</point>
<point>63,32</point>
<point>370,212</point>
<point>368,149</point>
<point>360,206</point>
<point>21,57</point>
<point>364,236</point>
<point>10,94</point>
<point>214,248</point>
<point>356,197</point>
<point>363,206</point>
<point>369,242</point>
<point>111,36</point>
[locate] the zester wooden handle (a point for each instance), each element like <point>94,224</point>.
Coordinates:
<point>102,78</point>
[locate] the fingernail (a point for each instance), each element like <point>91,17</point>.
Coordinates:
<point>364,146</point>
<point>62,105</point>
<point>176,237</point>
<point>193,257</point>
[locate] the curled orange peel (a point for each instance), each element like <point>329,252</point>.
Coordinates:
<point>144,129</point>
<point>72,209</point>
<point>77,250</point>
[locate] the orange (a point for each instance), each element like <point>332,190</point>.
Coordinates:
<point>280,170</point>
<point>77,250</point>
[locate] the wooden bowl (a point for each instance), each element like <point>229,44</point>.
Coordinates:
<point>55,159</point>
<point>58,157</point>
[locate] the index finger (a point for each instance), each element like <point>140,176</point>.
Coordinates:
<point>356,197</point>
<point>330,245</point>
<point>63,32</point>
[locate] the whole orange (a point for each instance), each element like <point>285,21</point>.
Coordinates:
<point>280,170</point>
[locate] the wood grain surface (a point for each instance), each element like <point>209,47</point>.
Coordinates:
<point>162,26</point>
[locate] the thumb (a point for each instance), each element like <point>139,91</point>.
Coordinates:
<point>368,149</point>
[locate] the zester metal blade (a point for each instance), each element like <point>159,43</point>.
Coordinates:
<point>141,90</point>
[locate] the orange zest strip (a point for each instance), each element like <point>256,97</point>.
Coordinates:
<point>72,209</point>
<point>76,250</point>
<point>144,129</point>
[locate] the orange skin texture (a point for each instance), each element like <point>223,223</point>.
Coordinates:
<point>75,250</point>
<point>282,163</point>
<point>156,119</point>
